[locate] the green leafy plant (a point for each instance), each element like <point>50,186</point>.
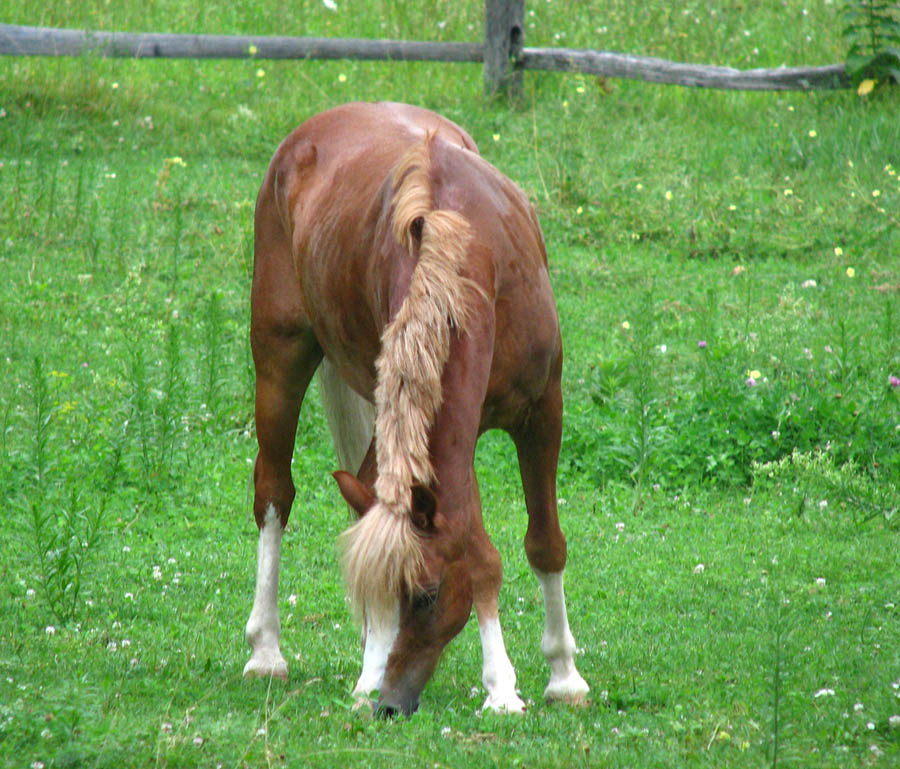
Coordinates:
<point>63,531</point>
<point>816,477</point>
<point>63,537</point>
<point>873,33</point>
<point>157,402</point>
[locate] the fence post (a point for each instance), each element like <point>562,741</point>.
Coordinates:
<point>504,33</point>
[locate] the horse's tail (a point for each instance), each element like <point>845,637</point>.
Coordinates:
<point>383,551</point>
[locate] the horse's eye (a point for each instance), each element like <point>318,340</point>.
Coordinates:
<point>424,599</point>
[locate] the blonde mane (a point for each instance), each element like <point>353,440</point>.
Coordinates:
<point>383,552</point>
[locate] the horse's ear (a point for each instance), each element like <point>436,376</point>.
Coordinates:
<point>424,507</point>
<point>416,227</point>
<point>355,492</point>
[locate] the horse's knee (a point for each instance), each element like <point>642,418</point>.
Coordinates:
<point>487,576</point>
<point>546,551</point>
<point>272,489</point>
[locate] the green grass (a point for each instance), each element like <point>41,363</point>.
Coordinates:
<point>126,431</point>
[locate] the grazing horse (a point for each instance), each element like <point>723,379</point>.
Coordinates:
<point>388,251</point>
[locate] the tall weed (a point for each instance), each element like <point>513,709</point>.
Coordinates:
<point>816,480</point>
<point>64,523</point>
<point>156,406</point>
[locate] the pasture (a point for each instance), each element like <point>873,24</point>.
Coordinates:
<point>727,272</point>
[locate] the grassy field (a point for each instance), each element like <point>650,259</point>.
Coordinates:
<point>727,271</point>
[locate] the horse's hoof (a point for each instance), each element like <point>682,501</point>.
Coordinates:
<point>507,703</point>
<point>363,705</point>
<point>266,666</point>
<point>571,690</point>
<point>574,700</point>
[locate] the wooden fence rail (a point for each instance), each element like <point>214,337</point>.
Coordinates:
<point>43,41</point>
<point>503,54</point>
<point>607,64</point>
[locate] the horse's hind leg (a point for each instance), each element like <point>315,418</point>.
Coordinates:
<point>538,445</point>
<point>498,674</point>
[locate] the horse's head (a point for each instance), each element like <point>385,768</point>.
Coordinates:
<point>425,612</point>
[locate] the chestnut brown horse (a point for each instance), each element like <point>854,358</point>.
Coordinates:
<point>388,251</point>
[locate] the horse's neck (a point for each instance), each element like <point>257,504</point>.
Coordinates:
<point>457,424</point>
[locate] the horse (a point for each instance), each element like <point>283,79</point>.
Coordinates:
<point>413,275</point>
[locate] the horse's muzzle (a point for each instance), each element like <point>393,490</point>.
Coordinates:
<point>389,707</point>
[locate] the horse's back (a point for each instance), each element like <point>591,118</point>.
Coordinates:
<point>506,234</point>
<point>328,194</point>
<point>316,219</point>
<point>345,153</point>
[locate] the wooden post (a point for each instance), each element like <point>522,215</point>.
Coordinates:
<point>504,35</point>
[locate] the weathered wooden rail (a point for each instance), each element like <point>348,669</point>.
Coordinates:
<point>607,64</point>
<point>43,41</point>
<point>503,54</point>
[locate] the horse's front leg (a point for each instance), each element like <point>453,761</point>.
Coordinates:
<point>538,452</point>
<point>284,368</point>
<point>263,629</point>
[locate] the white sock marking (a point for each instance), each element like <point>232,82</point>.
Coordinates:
<point>498,674</point>
<point>381,632</point>
<point>264,627</point>
<point>558,644</point>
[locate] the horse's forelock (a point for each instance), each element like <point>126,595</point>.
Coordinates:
<point>382,558</point>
